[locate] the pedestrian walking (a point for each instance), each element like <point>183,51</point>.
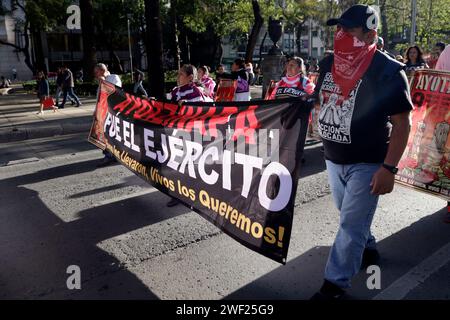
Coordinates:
<point>59,87</point>
<point>68,84</point>
<point>362,92</point>
<point>208,83</point>
<point>186,91</point>
<point>101,72</point>
<point>414,59</point>
<point>239,73</point>
<point>138,87</point>
<point>295,78</point>
<point>43,91</point>
<point>443,64</point>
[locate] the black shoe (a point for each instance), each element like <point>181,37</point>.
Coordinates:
<point>61,107</point>
<point>370,257</point>
<point>173,202</point>
<point>328,292</point>
<point>106,162</point>
<point>72,102</point>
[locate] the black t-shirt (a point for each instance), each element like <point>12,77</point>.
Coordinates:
<point>356,130</point>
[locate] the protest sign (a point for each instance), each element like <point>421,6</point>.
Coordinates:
<point>234,163</point>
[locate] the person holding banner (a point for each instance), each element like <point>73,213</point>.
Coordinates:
<point>414,59</point>
<point>239,73</point>
<point>443,64</point>
<point>186,91</point>
<point>101,72</point>
<point>295,78</point>
<point>207,82</point>
<point>361,90</point>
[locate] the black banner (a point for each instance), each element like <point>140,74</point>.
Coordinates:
<point>234,163</point>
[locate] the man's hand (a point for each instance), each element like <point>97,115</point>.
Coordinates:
<point>382,182</point>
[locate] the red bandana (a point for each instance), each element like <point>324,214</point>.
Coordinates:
<point>351,60</point>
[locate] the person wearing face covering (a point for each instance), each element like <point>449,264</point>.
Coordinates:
<point>362,92</point>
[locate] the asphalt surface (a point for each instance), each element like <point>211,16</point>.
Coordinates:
<point>58,210</point>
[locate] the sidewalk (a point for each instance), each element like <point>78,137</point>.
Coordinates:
<point>19,119</point>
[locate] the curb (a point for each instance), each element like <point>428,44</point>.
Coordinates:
<point>43,131</point>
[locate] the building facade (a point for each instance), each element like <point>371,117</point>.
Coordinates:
<point>10,58</point>
<point>311,44</point>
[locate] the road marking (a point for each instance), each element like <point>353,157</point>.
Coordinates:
<point>20,161</point>
<point>416,276</point>
<point>125,197</point>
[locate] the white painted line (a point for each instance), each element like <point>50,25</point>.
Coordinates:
<point>21,161</point>
<point>125,197</point>
<point>416,276</point>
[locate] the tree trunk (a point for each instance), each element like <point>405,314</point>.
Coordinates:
<point>26,48</point>
<point>259,21</point>
<point>37,41</point>
<point>218,52</point>
<point>87,29</point>
<point>298,34</point>
<point>154,48</point>
<point>176,45</point>
<point>384,25</point>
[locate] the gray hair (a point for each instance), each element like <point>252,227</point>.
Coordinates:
<point>189,69</point>
<point>101,66</point>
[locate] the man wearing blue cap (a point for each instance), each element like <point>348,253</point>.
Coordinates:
<point>364,124</point>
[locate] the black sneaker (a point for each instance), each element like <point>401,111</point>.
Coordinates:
<point>106,161</point>
<point>370,257</point>
<point>173,202</point>
<point>328,292</point>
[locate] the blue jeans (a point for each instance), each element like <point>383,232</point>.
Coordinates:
<point>59,91</point>
<point>138,87</point>
<point>350,186</point>
<point>69,91</point>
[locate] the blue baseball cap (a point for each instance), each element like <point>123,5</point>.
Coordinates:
<point>359,15</point>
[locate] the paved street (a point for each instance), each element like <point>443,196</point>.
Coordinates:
<point>59,210</point>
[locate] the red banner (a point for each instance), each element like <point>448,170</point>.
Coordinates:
<point>425,164</point>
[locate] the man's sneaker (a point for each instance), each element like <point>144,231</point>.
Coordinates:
<point>173,202</point>
<point>61,107</point>
<point>328,292</point>
<point>370,257</point>
<point>106,161</point>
